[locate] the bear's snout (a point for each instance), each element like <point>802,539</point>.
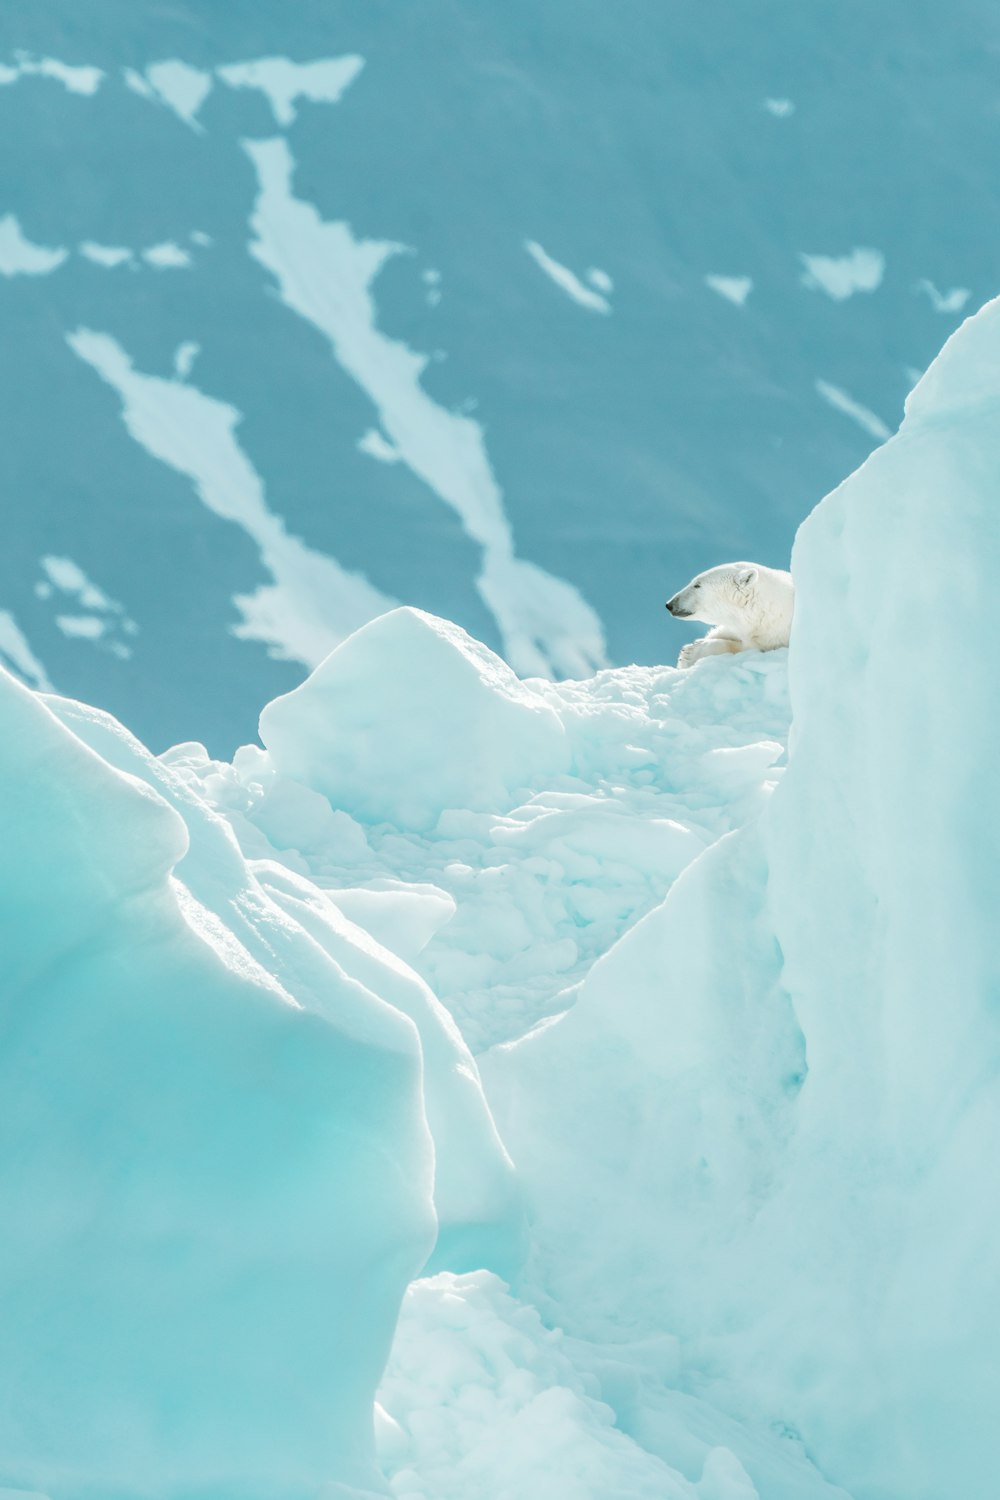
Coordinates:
<point>675,609</point>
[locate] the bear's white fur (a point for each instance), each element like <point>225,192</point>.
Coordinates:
<point>749,605</point>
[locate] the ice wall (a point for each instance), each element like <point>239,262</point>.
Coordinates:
<point>215,1188</point>
<point>784,1080</point>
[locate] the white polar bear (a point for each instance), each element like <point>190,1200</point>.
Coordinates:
<point>749,605</point>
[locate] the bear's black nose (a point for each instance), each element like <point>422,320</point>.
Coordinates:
<point>681,614</point>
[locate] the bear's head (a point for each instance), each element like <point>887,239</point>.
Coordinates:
<point>721,596</point>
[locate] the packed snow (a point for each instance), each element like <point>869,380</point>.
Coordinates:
<point>488,1087</point>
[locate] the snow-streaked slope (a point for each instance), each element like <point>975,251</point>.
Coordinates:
<point>556,469</point>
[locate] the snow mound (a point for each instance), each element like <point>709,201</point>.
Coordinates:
<point>502,910</point>
<point>213,1150</point>
<point>782,1082</point>
<point>410,716</point>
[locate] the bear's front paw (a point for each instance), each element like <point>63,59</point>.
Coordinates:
<point>689,654</point>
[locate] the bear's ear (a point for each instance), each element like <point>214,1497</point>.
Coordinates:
<point>746,578</point>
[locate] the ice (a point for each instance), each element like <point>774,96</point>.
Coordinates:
<point>19,257</point>
<point>284,82</point>
<point>216,1175</point>
<point>841,276</point>
<point>569,282</point>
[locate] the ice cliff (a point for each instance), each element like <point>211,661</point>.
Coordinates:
<point>617,1103</point>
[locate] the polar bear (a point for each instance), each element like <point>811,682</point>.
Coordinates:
<point>749,605</point>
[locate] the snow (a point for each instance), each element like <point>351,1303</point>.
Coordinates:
<point>75,78</point>
<point>184,358</point>
<point>167,256</point>
<point>567,280</point>
<point>19,257</point>
<point>108,256</point>
<point>284,82</point>
<point>945,302</point>
<point>313,602</point>
<point>841,401</point>
<point>183,88</point>
<point>841,276</point>
<point>15,647</point>
<point>67,576</point>
<point>375,445</point>
<point>84,627</point>
<point>735,289</point>
<point>325,275</point>
<point>638,1049</point>
<point>229,1179</point>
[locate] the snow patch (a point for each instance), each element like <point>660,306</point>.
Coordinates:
<point>735,289</point>
<point>183,88</point>
<point>19,257</point>
<point>312,603</point>
<point>167,256</point>
<point>841,401</point>
<point>76,79</point>
<point>781,109</point>
<point>285,82</point>
<point>325,275</point>
<point>945,302</point>
<point>375,445</point>
<point>566,280</point>
<point>82,627</point>
<point>108,256</point>
<point>842,276</point>
<point>184,358</point>
<point>18,655</point>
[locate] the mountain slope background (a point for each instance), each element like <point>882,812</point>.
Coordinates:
<point>525,316</point>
